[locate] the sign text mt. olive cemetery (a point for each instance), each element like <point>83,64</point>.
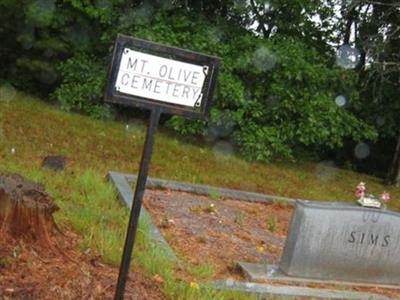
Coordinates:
<point>161,79</point>
<point>148,75</point>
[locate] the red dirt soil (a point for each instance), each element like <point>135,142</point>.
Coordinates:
<point>219,232</point>
<point>222,231</point>
<point>39,261</point>
<point>29,271</point>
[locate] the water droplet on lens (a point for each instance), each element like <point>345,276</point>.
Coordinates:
<point>223,149</point>
<point>222,129</point>
<point>248,186</point>
<point>127,18</point>
<point>210,137</point>
<point>27,37</point>
<point>27,45</point>
<point>249,285</point>
<point>348,3</point>
<point>143,14</point>
<point>362,150</point>
<point>103,4</point>
<point>326,170</point>
<point>221,126</point>
<point>41,12</point>
<point>272,101</point>
<point>166,4</point>
<point>48,53</point>
<point>229,282</point>
<point>264,59</point>
<point>240,4</point>
<point>248,95</point>
<point>134,127</point>
<point>347,57</point>
<point>80,35</point>
<point>215,34</point>
<point>7,92</point>
<point>48,77</point>
<point>340,100</point>
<point>380,121</point>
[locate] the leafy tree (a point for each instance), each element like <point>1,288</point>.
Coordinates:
<point>274,95</point>
<point>373,27</point>
<point>277,85</point>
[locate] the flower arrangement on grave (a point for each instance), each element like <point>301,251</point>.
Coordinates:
<point>369,200</point>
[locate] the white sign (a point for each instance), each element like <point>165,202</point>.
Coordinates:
<point>159,78</point>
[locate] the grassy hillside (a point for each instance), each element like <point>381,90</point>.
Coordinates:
<point>35,130</point>
<point>31,130</point>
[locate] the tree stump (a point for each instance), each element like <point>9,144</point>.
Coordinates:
<point>26,210</point>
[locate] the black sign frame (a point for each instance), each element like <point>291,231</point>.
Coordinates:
<point>114,96</point>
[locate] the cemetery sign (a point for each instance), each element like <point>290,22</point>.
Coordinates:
<point>146,74</point>
<point>164,80</point>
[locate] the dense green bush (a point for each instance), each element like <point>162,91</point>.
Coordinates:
<point>293,104</point>
<point>274,95</point>
<point>83,84</point>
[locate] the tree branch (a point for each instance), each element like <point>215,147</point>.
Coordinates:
<point>261,23</point>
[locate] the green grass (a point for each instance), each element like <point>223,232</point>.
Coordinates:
<point>89,204</point>
<point>203,271</point>
<point>214,194</point>
<point>239,218</point>
<point>35,130</point>
<point>272,223</point>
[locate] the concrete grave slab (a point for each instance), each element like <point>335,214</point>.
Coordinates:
<point>206,189</point>
<point>267,291</point>
<point>125,195</point>
<point>254,272</point>
<point>263,272</point>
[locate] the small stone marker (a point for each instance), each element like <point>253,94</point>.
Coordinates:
<point>54,162</point>
<point>338,241</point>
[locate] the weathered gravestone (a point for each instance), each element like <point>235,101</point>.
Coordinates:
<point>338,241</point>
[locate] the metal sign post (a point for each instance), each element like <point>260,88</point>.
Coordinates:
<point>137,203</point>
<point>165,80</point>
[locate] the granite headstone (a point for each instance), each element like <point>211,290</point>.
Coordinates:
<point>339,241</point>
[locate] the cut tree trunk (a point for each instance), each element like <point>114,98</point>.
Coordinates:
<point>394,171</point>
<point>26,210</point>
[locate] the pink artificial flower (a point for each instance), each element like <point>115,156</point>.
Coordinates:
<point>360,190</point>
<point>361,186</point>
<point>385,197</point>
<point>360,194</point>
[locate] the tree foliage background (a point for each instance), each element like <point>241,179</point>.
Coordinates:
<point>299,77</point>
